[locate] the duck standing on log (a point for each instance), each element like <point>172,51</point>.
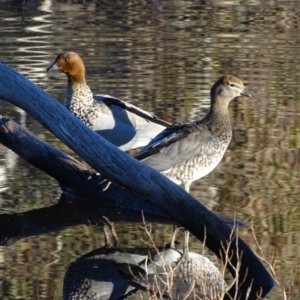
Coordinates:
<point>185,153</point>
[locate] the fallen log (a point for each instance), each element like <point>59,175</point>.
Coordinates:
<point>89,206</point>
<point>73,177</point>
<point>252,277</point>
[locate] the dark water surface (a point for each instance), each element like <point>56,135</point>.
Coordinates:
<point>164,56</point>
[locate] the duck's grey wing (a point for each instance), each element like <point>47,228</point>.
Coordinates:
<point>163,139</point>
<point>110,101</point>
<point>175,145</point>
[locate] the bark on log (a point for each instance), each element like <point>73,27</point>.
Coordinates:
<point>73,177</point>
<point>156,189</point>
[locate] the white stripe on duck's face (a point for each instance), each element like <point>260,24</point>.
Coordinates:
<point>227,88</point>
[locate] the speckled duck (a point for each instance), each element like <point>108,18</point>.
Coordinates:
<point>123,124</point>
<point>185,153</point>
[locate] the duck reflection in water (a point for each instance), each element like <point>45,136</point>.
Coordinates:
<point>167,273</point>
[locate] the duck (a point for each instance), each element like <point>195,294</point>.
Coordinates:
<point>117,273</point>
<point>123,124</point>
<point>176,274</point>
<point>94,275</point>
<point>187,152</point>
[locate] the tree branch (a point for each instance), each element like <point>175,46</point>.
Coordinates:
<point>155,188</point>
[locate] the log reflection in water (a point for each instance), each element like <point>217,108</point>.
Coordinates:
<point>66,213</point>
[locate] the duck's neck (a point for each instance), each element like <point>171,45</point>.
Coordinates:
<point>79,97</point>
<point>220,120</point>
<point>219,106</point>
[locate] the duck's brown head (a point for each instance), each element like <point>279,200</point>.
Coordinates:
<point>71,64</point>
<point>227,88</point>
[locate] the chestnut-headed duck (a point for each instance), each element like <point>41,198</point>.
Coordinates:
<point>124,125</point>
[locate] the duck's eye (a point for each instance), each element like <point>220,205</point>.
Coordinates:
<point>232,84</point>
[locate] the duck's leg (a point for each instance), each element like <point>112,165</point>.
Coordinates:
<point>186,232</point>
<point>173,241</point>
<point>186,186</point>
<point>186,242</point>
